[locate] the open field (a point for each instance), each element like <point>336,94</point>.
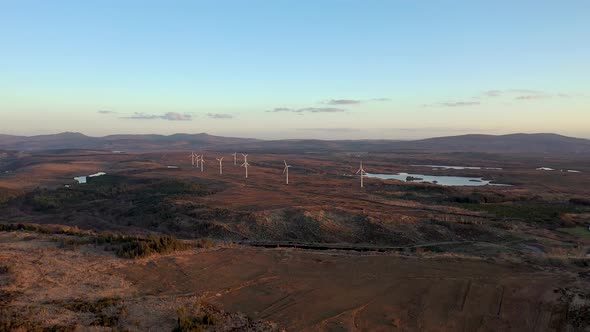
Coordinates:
<point>319,254</point>
<point>302,290</point>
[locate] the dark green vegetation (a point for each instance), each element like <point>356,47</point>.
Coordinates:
<point>18,320</point>
<point>151,245</point>
<point>580,231</point>
<point>433,194</point>
<point>4,269</point>
<point>205,317</point>
<point>141,193</point>
<point>190,323</point>
<point>146,203</point>
<point>124,204</point>
<point>580,201</point>
<point>107,312</point>
<point>528,211</point>
<point>498,205</point>
<point>7,195</point>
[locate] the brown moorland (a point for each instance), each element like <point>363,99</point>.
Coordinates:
<point>392,255</point>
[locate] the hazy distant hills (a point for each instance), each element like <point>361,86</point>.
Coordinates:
<point>514,143</point>
<point>116,142</point>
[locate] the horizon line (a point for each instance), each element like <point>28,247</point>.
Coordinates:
<point>294,139</point>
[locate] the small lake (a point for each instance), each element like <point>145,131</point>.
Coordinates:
<point>553,169</point>
<point>435,179</point>
<point>456,167</point>
<point>84,179</point>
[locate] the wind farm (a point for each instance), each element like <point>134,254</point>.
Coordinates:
<point>306,205</point>
<point>279,166</point>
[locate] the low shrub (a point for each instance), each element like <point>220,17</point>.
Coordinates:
<point>124,246</point>
<point>205,243</point>
<point>107,311</point>
<point>4,269</point>
<point>538,212</point>
<point>189,323</point>
<point>152,245</point>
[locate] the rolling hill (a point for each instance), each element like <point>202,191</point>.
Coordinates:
<point>513,143</point>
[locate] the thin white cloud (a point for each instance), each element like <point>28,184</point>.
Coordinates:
<point>220,116</point>
<point>343,102</point>
<point>493,93</point>
<point>460,103</point>
<point>353,101</point>
<point>170,116</point>
<point>454,104</point>
<point>526,91</point>
<point>532,97</point>
<point>514,94</point>
<point>308,110</point>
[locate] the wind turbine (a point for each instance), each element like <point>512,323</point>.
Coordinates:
<point>362,172</point>
<point>220,165</point>
<point>245,164</point>
<point>193,155</point>
<point>202,162</point>
<point>235,154</point>
<point>286,171</point>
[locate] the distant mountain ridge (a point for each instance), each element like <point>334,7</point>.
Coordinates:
<point>69,140</point>
<point>512,143</point>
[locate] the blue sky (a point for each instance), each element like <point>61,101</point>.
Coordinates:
<point>284,69</point>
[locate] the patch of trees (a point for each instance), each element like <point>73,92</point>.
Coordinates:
<point>113,189</point>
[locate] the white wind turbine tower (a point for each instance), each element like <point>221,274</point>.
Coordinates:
<point>202,162</point>
<point>362,172</point>
<point>286,171</point>
<point>235,154</point>
<point>245,164</point>
<point>220,165</point>
<point>192,158</point>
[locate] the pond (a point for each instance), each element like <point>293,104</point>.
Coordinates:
<point>553,169</point>
<point>83,179</point>
<point>436,179</point>
<point>457,167</point>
